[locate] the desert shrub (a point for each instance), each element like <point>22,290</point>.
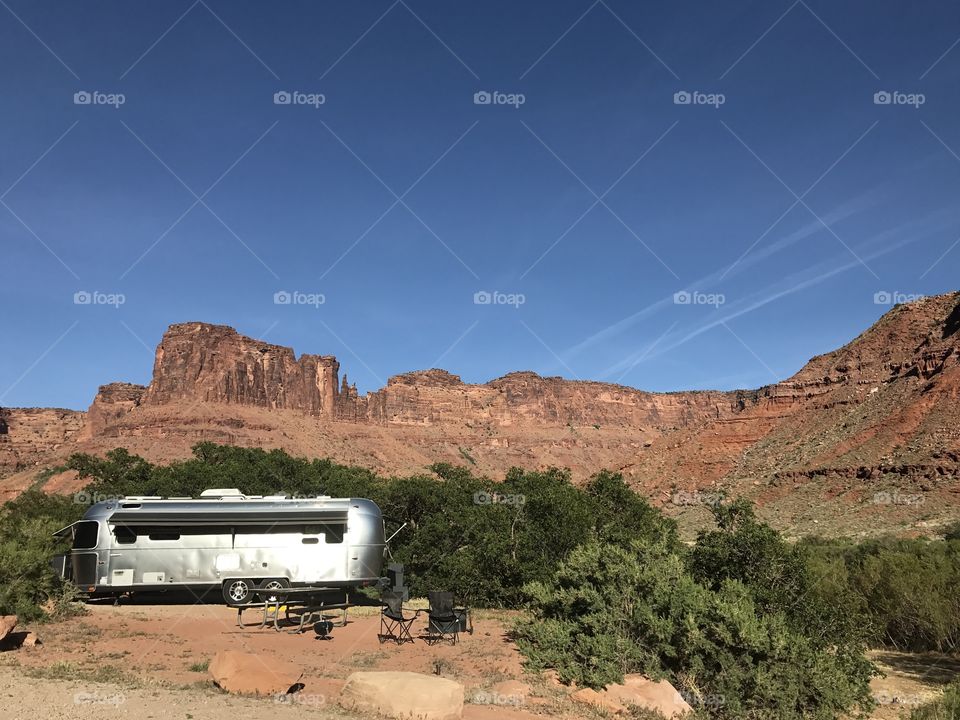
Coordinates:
<point>29,587</point>
<point>252,470</point>
<point>622,516</point>
<point>484,539</point>
<point>779,577</point>
<point>909,590</point>
<point>610,610</point>
<point>945,707</point>
<point>119,473</point>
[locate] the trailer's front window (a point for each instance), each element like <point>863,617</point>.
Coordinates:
<point>332,532</point>
<point>85,535</point>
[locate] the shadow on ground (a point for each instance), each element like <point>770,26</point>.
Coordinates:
<point>930,668</point>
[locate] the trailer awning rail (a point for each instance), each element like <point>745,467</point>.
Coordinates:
<point>180,518</point>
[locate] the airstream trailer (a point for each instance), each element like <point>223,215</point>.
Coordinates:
<point>240,543</point>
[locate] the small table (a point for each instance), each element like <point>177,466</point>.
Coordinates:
<point>312,602</point>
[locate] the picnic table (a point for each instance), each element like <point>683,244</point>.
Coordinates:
<point>312,603</point>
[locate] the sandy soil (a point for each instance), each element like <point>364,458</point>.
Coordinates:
<point>149,661</point>
<point>911,679</point>
<point>139,661</point>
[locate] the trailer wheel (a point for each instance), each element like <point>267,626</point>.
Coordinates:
<point>273,584</point>
<point>237,592</point>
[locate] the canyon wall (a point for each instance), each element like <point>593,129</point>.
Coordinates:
<point>27,434</point>
<point>525,398</point>
<point>197,362</point>
<point>201,363</point>
<point>889,398</point>
<point>878,417</point>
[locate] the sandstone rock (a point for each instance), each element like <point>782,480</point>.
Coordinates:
<point>403,695</point>
<point>7,624</point>
<point>636,690</point>
<point>644,692</point>
<point>248,674</point>
<point>215,363</point>
<point>589,696</point>
<point>20,639</point>
<point>112,402</point>
<point>513,688</point>
<point>29,434</point>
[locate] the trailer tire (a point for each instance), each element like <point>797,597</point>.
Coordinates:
<point>237,591</point>
<point>273,584</point>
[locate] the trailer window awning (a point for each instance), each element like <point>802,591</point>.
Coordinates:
<point>294,517</point>
<point>65,532</point>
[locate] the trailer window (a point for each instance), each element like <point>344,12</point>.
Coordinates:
<point>124,535</point>
<point>85,535</point>
<point>333,533</point>
<point>164,535</point>
<point>152,530</point>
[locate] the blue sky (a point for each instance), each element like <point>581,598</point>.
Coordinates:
<point>779,201</point>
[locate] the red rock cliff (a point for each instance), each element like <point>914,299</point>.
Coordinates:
<point>197,362</point>
<point>201,363</point>
<point>27,434</point>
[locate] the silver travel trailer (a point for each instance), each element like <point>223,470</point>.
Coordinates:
<point>223,538</point>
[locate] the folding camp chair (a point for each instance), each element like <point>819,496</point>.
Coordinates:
<point>394,625</point>
<point>443,621</point>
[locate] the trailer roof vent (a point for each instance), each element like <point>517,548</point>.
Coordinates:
<point>221,493</point>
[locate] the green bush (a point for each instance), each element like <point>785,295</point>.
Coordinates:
<point>779,576</point>
<point>952,532</point>
<point>622,516</point>
<point>909,590</point>
<point>610,610</point>
<point>29,588</point>
<point>945,707</point>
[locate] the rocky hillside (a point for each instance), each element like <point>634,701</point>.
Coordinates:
<point>212,383</point>
<point>29,434</point>
<point>880,412</point>
<point>876,422</point>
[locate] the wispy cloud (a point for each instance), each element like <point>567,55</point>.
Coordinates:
<point>881,244</point>
<point>855,206</point>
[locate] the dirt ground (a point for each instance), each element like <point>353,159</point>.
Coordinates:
<point>911,679</point>
<point>138,660</point>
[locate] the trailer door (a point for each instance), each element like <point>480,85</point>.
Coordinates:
<point>86,535</point>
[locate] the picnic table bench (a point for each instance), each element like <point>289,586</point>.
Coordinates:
<point>312,603</point>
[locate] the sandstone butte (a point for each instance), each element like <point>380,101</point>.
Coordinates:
<point>879,415</point>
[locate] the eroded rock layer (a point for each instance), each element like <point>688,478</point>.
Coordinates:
<point>880,414</point>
